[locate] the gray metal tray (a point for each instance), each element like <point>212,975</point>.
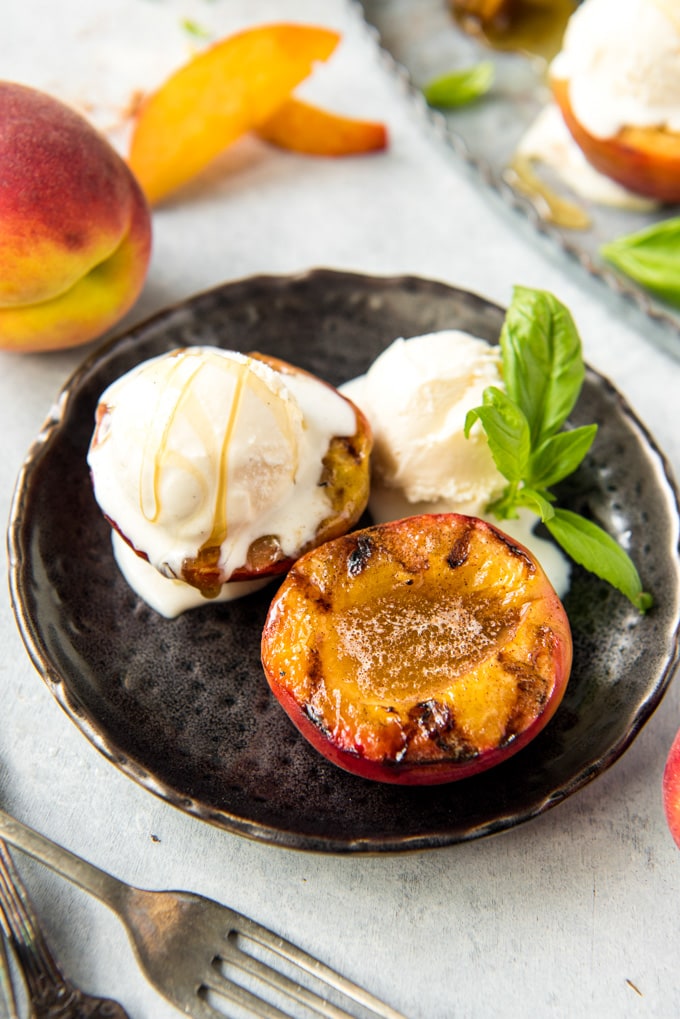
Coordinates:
<point>420,40</point>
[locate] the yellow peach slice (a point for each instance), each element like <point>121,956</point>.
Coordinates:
<point>223,92</point>
<point>300,127</point>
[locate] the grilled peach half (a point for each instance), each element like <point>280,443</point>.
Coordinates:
<point>643,159</point>
<point>344,476</point>
<point>342,472</point>
<point>418,651</point>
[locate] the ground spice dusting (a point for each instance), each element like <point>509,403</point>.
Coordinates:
<point>383,645</point>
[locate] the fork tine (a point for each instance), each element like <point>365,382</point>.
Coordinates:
<point>6,986</point>
<point>279,981</point>
<point>285,949</point>
<point>199,1008</point>
<point>242,997</point>
<point>21,925</point>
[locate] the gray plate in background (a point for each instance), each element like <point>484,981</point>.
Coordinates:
<point>421,41</point>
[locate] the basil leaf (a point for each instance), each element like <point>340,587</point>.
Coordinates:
<point>457,88</point>
<point>543,365</point>
<point>594,549</point>
<point>651,257</point>
<point>539,502</point>
<point>559,456</point>
<point>543,372</point>
<point>507,431</point>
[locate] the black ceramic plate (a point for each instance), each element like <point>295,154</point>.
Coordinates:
<point>182,705</point>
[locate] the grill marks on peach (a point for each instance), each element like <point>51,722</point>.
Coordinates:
<point>434,721</point>
<point>459,551</point>
<point>358,559</point>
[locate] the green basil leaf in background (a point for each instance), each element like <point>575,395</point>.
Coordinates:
<point>457,88</point>
<point>651,257</point>
<point>194,29</point>
<point>507,431</point>
<point>594,549</point>
<point>559,456</point>
<point>543,365</point>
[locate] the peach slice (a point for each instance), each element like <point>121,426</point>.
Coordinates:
<point>301,127</point>
<point>418,651</point>
<point>226,90</point>
<point>642,159</point>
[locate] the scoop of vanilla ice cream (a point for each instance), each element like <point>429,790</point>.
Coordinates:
<point>622,61</point>
<point>416,396</point>
<point>204,447</point>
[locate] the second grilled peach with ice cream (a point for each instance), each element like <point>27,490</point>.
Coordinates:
<point>617,83</point>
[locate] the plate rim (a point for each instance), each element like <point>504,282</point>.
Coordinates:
<point>259,831</point>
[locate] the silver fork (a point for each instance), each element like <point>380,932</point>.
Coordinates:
<point>51,994</point>
<point>7,997</point>
<point>185,943</point>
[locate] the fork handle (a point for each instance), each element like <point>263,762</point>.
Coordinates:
<point>105,887</point>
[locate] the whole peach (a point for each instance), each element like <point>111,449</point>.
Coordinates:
<point>671,789</point>
<point>76,230</point>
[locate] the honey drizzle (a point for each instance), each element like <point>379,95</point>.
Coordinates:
<point>220,515</point>
<point>550,206</point>
<point>202,570</point>
<point>155,448</point>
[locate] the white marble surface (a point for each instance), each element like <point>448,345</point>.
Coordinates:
<point>573,913</point>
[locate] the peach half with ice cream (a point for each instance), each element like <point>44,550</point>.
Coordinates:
<point>646,160</point>
<point>76,231</point>
<point>217,469</point>
<point>617,84</point>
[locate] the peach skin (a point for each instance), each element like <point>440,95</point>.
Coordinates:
<point>300,127</point>
<point>643,159</point>
<point>76,236</point>
<point>225,91</point>
<point>671,790</point>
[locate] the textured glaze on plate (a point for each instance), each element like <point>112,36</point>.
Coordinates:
<point>424,40</point>
<point>182,706</point>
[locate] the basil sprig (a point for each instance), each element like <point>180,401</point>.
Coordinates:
<point>651,257</point>
<point>457,88</point>
<point>543,371</point>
